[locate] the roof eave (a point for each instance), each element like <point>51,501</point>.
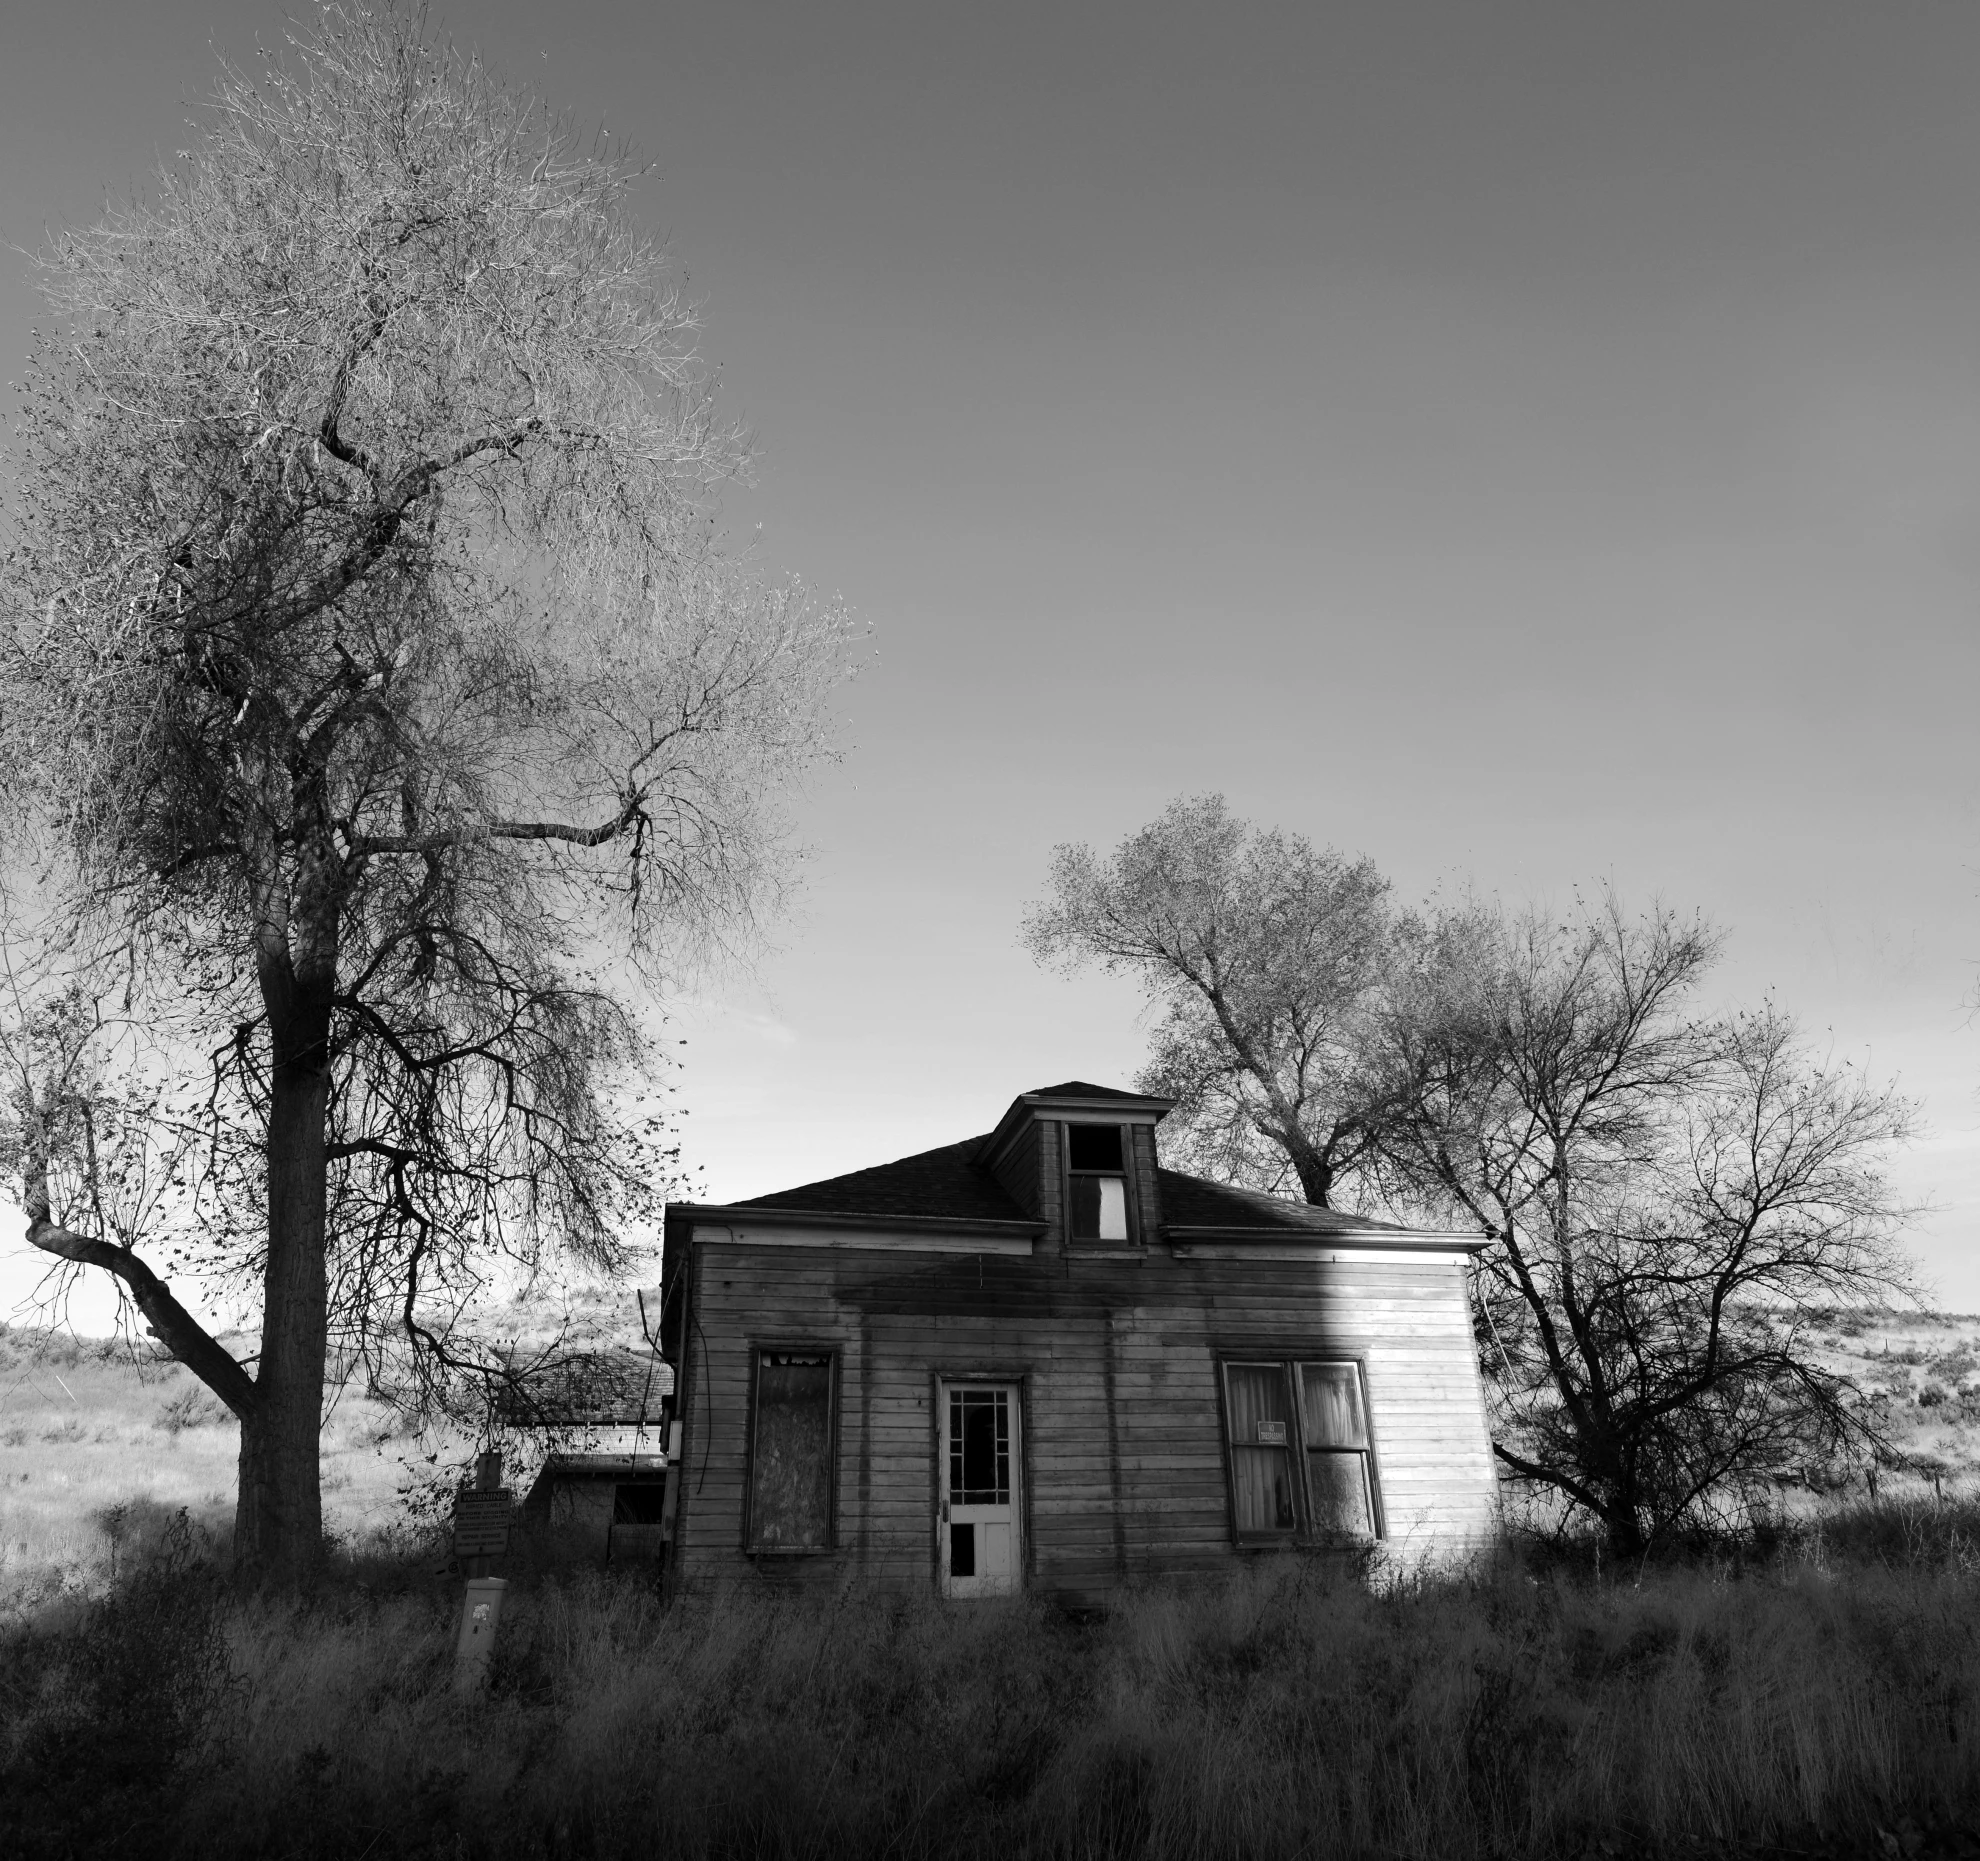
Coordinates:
<point>1146,1103</point>
<point>1026,1106</point>
<point>741,1215</point>
<point>1416,1240</point>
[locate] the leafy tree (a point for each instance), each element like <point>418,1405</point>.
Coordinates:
<point>369,663</point>
<point>1270,962</point>
<point>1672,1199</point>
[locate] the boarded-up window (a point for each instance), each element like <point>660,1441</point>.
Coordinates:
<point>790,1474</point>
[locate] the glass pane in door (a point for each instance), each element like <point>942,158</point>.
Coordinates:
<point>980,1447</point>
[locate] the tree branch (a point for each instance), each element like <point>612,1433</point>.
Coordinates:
<point>175,1327</point>
<point>366,845</point>
<point>1550,1476</point>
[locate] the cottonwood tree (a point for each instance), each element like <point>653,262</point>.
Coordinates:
<point>1671,1198</point>
<point>367,658</point>
<point>1271,964</point>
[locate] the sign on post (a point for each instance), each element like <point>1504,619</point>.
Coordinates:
<point>481,1524</point>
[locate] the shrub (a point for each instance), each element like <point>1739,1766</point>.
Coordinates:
<point>105,1713</point>
<point>196,1407</point>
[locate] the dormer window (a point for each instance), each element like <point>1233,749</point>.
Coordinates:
<point>1096,1178</point>
<point>1078,1158</point>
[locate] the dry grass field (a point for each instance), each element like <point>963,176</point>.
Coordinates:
<point>100,1446</point>
<point>1924,1371</point>
<point>1822,1700</point>
<point>1816,1692</point>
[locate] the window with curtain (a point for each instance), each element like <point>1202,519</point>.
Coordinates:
<point>1336,1428</point>
<point>1259,1406</point>
<point>1300,1457</point>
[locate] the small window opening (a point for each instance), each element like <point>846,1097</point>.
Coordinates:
<point>1097,1180</point>
<point>639,1502</point>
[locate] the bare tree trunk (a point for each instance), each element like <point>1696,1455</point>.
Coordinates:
<point>278,1528</point>
<point>1622,1524</point>
<point>1315,1173</point>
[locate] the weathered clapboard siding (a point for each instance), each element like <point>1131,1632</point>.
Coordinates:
<point>1031,1163</point>
<point>1124,1465</point>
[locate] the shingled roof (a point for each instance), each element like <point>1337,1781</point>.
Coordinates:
<point>1082,1089</point>
<point>944,1184</point>
<point>1196,1202</point>
<point>947,1185</point>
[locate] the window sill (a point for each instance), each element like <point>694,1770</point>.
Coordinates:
<point>1105,1250</point>
<point>780,1551</point>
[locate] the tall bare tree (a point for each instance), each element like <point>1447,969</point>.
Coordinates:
<point>367,657</point>
<point>1269,961</point>
<point>1671,1197</point>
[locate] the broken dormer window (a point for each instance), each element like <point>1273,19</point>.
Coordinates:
<point>1096,1182</point>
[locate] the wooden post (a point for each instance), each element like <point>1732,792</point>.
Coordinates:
<point>481,1615</point>
<point>481,1532</point>
<point>670,1494</point>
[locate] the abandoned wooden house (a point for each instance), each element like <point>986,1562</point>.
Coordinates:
<point>1038,1359</point>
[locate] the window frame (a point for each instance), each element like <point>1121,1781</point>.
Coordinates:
<point>1087,1243</point>
<point>759,1348</point>
<point>1306,1532</point>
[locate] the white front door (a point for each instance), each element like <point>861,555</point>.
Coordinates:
<point>978,1529</point>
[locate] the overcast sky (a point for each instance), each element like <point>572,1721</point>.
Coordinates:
<point>1535,446</point>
